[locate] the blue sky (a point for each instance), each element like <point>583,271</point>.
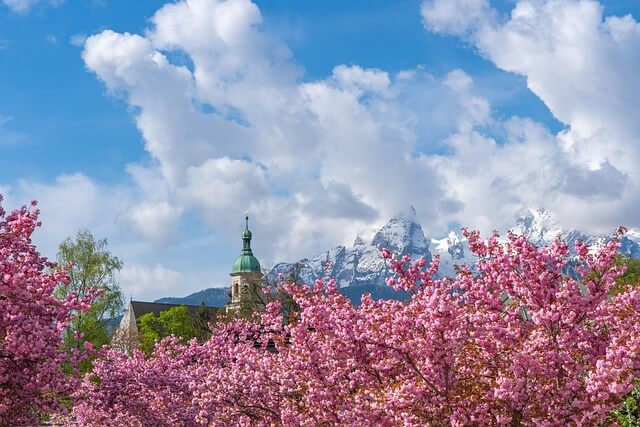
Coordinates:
<point>323,118</point>
<point>67,124</point>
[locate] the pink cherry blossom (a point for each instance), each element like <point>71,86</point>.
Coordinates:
<point>32,357</point>
<point>513,341</point>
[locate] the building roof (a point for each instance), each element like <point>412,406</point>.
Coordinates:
<point>141,307</point>
<point>246,262</point>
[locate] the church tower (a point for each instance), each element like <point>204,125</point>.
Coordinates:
<point>246,278</point>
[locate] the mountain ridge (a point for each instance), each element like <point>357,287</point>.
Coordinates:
<point>362,264</point>
<point>360,268</point>
<point>211,297</point>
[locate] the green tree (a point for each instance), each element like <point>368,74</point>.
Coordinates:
<point>274,292</point>
<point>630,277</point>
<point>629,413</point>
<point>90,266</point>
<point>288,306</point>
<point>175,321</point>
<point>201,322</point>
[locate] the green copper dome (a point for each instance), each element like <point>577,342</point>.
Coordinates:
<point>246,262</point>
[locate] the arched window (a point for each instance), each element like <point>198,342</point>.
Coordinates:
<point>235,289</point>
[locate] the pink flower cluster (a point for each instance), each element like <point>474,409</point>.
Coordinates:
<point>513,342</point>
<point>32,321</point>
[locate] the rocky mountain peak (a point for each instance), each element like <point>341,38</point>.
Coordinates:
<point>538,225</point>
<point>402,235</point>
<point>455,247</point>
<point>362,266</point>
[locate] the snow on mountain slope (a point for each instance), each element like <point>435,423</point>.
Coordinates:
<point>541,227</point>
<point>362,265</point>
<point>360,268</point>
<point>452,250</point>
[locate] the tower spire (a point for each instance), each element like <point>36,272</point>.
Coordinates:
<point>246,276</point>
<point>246,236</point>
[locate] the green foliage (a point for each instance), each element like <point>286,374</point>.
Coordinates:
<point>274,292</point>
<point>629,413</point>
<point>175,321</point>
<point>90,266</point>
<point>288,306</point>
<point>632,275</point>
<point>201,323</point>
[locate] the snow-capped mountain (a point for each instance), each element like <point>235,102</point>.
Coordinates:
<point>452,250</point>
<point>360,268</point>
<point>361,264</point>
<point>541,227</point>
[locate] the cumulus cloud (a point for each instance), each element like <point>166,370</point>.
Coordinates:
<point>357,79</point>
<point>139,280</point>
<point>19,6</point>
<point>24,6</point>
<point>155,220</point>
<point>456,17</point>
<point>68,204</point>
<point>230,123</point>
<point>76,202</point>
<point>237,127</point>
<point>224,183</point>
<point>582,65</point>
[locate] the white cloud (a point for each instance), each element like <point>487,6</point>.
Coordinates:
<point>75,202</point>
<point>317,162</point>
<point>583,66</point>
<point>357,79</point>
<point>458,80</point>
<point>70,203</point>
<point>20,6</point>
<point>220,185</point>
<point>456,17</point>
<point>584,69</point>
<point>234,126</point>
<point>237,128</point>
<point>265,141</point>
<point>140,280</point>
<point>24,6</point>
<point>155,220</point>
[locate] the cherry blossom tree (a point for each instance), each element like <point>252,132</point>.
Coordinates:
<point>32,319</point>
<point>512,341</point>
